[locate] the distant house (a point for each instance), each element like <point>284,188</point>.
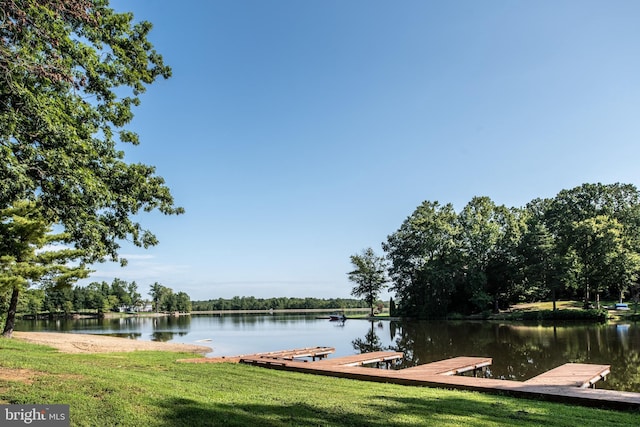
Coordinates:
<point>146,308</point>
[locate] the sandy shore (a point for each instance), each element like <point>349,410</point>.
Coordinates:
<point>85,343</point>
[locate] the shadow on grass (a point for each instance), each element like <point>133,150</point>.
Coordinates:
<point>452,410</point>
<point>383,411</point>
<point>187,412</point>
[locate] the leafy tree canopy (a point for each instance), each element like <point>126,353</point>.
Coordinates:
<point>585,240</point>
<point>70,73</point>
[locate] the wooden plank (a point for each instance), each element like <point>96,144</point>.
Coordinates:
<point>581,375</point>
<point>296,353</point>
<point>361,359</point>
<point>453,366</point>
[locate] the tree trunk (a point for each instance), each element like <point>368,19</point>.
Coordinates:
<point>553,297</point>
<point>586,294</point>
<point>11,314</point>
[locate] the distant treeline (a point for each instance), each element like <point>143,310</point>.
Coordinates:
<point>100,297</point>
<point>252,303</point>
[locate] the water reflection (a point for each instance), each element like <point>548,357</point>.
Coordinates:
<point>370,343</point>
<point>164,328</point>
<point>522,351</point>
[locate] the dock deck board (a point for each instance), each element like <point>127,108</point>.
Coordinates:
<point>312,352</point>
<point>580,375</point>
<point>362,359</point>
<point>453,366</point>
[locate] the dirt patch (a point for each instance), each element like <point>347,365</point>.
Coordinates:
<point>85,343</point>
<point>20,375</point>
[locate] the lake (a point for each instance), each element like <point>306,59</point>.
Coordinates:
<point>519,350</point>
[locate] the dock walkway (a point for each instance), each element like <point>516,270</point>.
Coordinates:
<point>375,357</point>
<point>454,366</point>
<point>313,352</point>
<point>580,375</point>
<point>567,384</point>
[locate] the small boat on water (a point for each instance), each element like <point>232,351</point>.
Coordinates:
<point>337,317</point>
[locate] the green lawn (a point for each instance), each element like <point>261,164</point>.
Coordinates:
<point>152,389</point>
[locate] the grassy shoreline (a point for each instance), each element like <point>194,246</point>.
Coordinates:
<point>152,389</point>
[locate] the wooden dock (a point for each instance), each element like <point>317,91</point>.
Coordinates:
<point>454,366</point>
<point>375,357</point>
<point>299,353</point>
<point>580,375</point>
<point>567,384</point>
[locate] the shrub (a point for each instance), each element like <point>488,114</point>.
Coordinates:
<point>597,315</point>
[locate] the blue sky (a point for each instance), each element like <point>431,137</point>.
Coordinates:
<point>297,133</point>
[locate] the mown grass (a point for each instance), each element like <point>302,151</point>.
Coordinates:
<point>152,389</point>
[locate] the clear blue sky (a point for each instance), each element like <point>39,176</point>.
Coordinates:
<point>296,133</point>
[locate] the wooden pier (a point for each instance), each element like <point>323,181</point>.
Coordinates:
<point>299,353</point>
<point>455,366</point>
<point>568,383</point>
<point>376,357</point>
<point>580,375</point>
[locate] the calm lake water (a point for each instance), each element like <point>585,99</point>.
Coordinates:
<point>519,351</point>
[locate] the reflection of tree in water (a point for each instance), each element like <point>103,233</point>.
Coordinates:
<point>370,343</point>
<point>522,351</point>
<point>164,336</point>
<point>130,335</point>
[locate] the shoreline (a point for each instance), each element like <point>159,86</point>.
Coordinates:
<point>67,342</point>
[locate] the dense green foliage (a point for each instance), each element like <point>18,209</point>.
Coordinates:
<point>70,74</point>
<point>252,303</point>
<point>597,315</point>
<point>100,297</point>
<point>165,300</point>
<point>30,253</point>
<point>584,243</point>
<point>150,389</point>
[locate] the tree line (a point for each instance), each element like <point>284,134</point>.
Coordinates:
<point>252,303</point>
<point>100,297</point>
<point>583,243</point>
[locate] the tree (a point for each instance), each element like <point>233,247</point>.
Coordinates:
<point>25,259</point>
<point>538,250</point>
<point>425,259</point>
<point>597,232</point>
<point>183,302</point>
<point>369,276</point>
<point>489,236</point>
<point>120,292</point>
<point>158,293</point>
<point>134,295</point>
<point>70,73</point>
<point>605,259</point>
